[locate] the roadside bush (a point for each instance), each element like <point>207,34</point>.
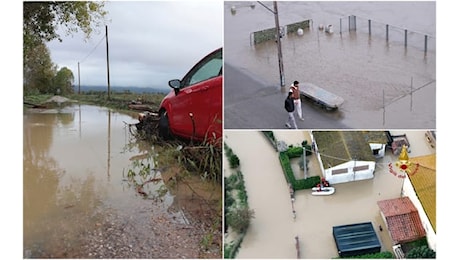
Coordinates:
<point>421,252</point>
<point>271,138</point>
<point>270,135</point>
<point>232,158</point>
<point>237,212</point>
<point>234,161</point>
<point>380,255</point>
<point>307,183</point>
<point>294,152</point>
<point>229,201</point>
<point>240,218</point>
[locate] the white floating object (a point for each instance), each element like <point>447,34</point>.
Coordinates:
<point>300,31</point>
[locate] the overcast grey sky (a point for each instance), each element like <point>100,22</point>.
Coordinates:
<point>150,43</point>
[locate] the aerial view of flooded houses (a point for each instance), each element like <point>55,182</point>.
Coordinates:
<point>330,194</point>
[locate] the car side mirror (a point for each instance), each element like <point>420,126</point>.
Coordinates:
<point>175,84</point>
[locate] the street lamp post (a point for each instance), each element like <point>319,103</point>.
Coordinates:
<point>278,39</point>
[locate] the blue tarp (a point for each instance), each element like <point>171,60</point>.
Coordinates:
<point>356,239</point>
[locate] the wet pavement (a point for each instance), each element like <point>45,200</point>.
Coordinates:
<point>254,104</point>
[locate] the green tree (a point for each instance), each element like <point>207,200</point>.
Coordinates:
<point>42,22</point>
<point>240,218</point>
<point>63,81</point>
<point>421,252</point>
<point>42,19</point>
<point>38,70</point>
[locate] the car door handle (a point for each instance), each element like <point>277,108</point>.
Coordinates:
<point>204,88</point>
<point>200,89</point>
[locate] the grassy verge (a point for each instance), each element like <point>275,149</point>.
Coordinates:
<point>117,100</point>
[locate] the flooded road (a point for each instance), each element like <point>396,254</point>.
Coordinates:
<point>272,232</point>
<point>384,84</point>
<point>82,173</point>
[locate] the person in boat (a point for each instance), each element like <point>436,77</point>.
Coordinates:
<point>319,186</point>
<point>324,182</point>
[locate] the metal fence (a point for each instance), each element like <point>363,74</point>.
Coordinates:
<point>390,33</point>
<point>270,34</point>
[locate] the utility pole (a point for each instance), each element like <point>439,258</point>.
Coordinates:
<point>107,53</point>
<point>304,163</point>
<point>278,40</point>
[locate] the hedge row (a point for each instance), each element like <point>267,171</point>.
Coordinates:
<point>380,255</point>
<point>301,184</point>
<point>271,137</point>
<point>232,158</point>
<point>235,203</point>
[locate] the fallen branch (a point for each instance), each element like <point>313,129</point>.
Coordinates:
<point>141,108</point>
<point>140,187</point>
<point>34,105</point>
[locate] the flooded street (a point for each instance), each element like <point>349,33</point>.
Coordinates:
<point>273,230</point>
<point>82,199</point>
<point>384,84</point>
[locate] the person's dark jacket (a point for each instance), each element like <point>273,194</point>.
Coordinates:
<point>289,104</point>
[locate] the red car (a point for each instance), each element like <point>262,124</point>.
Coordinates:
<point>193,108</point>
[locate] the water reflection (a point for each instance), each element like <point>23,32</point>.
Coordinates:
<point>109,115</point>
<point>77,191</point>
<point>64,173</point>
<point>61,187</point>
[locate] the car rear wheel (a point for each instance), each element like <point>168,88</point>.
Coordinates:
<point>164,129</point>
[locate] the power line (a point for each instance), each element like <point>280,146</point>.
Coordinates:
<point>95,47</point>
<point>410,93</point>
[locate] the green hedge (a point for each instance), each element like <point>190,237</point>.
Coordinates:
<point>271,138</point>
<point>301,184</point>
<point>237,213</point>
<point>232,158</point>
<point>380,255</point>
<point>294,152</point>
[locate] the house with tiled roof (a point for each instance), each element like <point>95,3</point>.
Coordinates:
<point>402,220</point>
<point>420,187</point>
<point>345,156</point>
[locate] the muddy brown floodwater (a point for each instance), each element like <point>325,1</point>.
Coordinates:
<point>80,201</point>
<point>272,232</point>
